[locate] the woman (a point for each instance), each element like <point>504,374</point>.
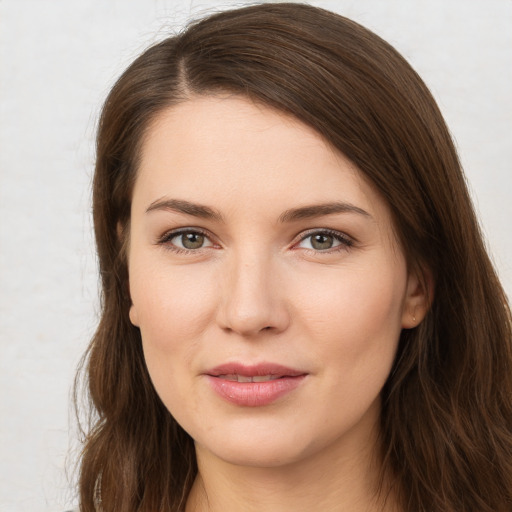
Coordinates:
<point>298,309</point>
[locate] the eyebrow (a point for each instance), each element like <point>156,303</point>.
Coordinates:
<point>318,210</point>
<point>292,215</point>
<point>182,206</point>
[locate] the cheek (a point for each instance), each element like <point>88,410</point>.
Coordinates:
<point>174,310</point>
<point>354,329</point>
<point>356,315</point>
<point>361,298</point>
<point>172,304</point>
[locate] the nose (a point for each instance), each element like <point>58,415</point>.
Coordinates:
<point>253,298</point>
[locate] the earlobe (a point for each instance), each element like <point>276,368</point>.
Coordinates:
<point>418,298</point>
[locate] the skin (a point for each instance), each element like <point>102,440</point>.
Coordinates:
<point>261,289</point>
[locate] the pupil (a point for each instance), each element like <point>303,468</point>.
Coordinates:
<point>192,240</point>
<point>322,242</point>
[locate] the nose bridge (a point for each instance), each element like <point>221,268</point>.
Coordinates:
<point>251,299</point>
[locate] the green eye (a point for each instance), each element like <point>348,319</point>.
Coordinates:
<point>322,241</point>
<point>325,240</point>
<point>192,240</point>
<point>187,240</point>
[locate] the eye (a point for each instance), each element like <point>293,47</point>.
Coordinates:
<point>324,240</point>
<point>186,240</point>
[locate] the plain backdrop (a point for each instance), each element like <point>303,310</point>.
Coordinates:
<point>58,59</point>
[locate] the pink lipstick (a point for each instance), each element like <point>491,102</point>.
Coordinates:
<point>253,385</point>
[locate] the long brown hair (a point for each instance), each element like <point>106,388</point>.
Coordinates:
<point>446,427</point>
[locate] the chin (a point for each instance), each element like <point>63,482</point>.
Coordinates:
<point>276,441</point>
<point>273,454</point>
<point>265,445</point>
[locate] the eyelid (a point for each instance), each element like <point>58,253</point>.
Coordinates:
<point>165,238</point>
<point>345,240</point>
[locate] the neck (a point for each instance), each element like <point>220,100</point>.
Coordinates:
<point>332,481</point>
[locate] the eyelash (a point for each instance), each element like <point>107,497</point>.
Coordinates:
<point>345,242</point>
<point>165,240</point>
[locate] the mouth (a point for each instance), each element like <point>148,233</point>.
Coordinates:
<point>242,378</point>
<point>254,385</point>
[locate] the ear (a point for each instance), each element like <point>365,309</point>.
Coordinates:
<point>134,316</point>
<point>418,297</point>
<point>121,235</point>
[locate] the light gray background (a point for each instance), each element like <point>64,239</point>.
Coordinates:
<point>58,59</point>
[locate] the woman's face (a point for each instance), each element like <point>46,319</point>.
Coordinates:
<point>266,281</point>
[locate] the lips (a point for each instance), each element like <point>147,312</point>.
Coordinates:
<point>253,385</point>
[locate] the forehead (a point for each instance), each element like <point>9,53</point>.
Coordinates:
<point>229,151</point>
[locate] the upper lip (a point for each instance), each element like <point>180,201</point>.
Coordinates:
<point>254,370</point>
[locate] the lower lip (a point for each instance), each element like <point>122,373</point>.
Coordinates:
<point>254,394</point>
